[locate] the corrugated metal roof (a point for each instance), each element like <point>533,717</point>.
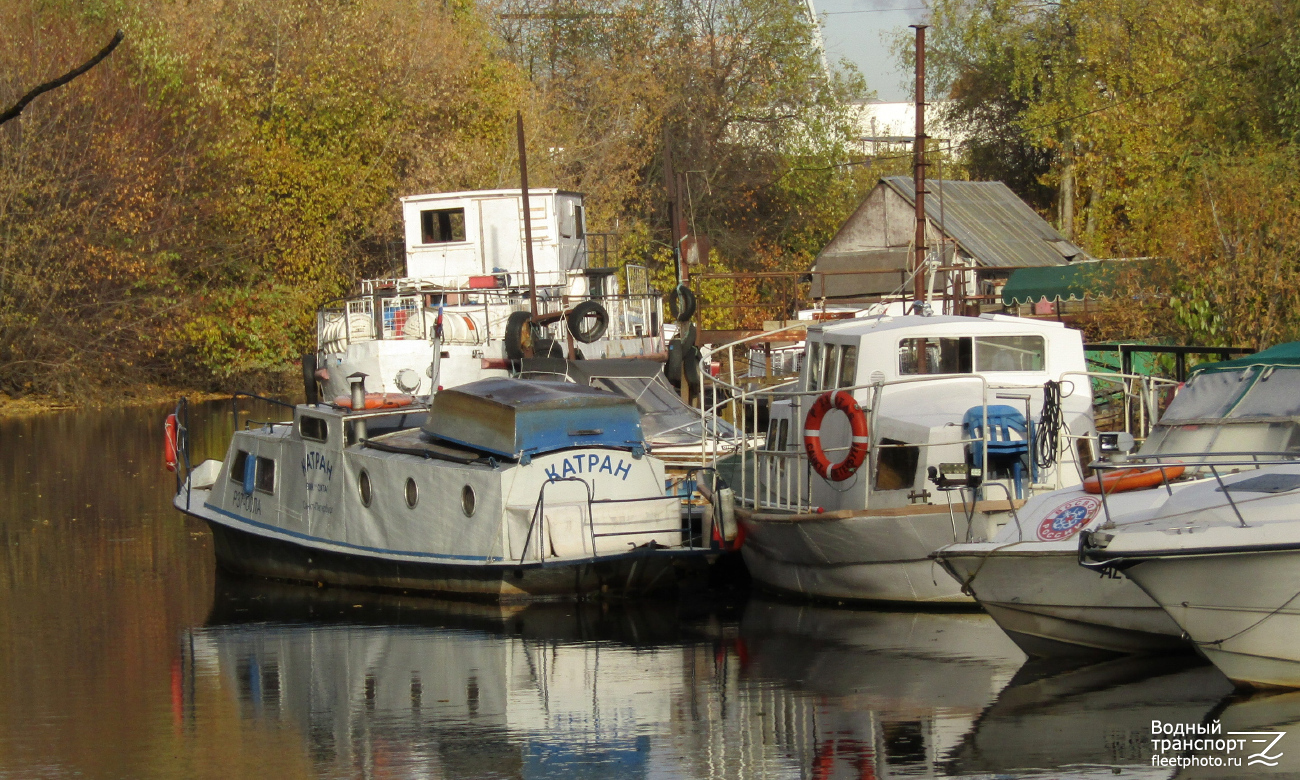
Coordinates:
<point>991,224</point>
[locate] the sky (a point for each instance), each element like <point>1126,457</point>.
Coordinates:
<point>859,31</point>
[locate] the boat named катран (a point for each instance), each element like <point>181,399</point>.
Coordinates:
<point>501,489</point>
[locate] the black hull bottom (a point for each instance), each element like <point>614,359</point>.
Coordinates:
<point>643,573</point>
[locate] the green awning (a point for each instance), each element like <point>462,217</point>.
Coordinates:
<point>1287,354</point>
<point>1072,282</point>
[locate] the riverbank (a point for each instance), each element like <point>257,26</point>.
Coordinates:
<point>33,405</point>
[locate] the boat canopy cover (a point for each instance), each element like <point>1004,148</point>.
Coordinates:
<point>515,418</point>
<point>1287,354</point>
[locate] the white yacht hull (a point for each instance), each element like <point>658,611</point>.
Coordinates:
<point>866,557</point>
<point>1241,608</point>
<point>1050,605</point>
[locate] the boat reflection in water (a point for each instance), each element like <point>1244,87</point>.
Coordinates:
<point>892,692</point>
<point>1098,716</point>
<point>390,686</point>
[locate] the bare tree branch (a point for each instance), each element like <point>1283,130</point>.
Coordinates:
<point>18,107</point>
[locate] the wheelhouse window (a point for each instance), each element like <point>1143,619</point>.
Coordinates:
<point>848,366</point>
<point>1010,353</point>
<point>238,468</point>
<point>961,355</point>
<point>314,428</point>
<point>830,366</point>
<point>442,226</point>
<point>814,365</point>
<point>265,479</point>
<point>934,356</point>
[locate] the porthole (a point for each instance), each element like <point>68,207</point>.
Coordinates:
<point>363,487</point>
<point>412,495</point>
<point>467,500</point>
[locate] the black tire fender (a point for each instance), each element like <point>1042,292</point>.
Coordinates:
<point>310,390</point>
<point>577,317</point>
<point>519,335</point>
<point>681,304</point>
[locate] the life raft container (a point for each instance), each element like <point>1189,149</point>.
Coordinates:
<point>377,401</point>
<point>171,436</point>
<point>812,437</point>
<point>1131,479</point>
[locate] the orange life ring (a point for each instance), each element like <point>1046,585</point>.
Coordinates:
<point>378,401</point>
<point>1131,479</point>
<point>812,436</point>
<point>170,441</point>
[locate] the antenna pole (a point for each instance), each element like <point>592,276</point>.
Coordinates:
<point>918,171</point>
<point>528,217</point>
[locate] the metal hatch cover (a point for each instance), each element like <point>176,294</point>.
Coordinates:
<point>1265,483</point>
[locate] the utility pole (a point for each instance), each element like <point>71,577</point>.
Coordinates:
<point>528,217</point>
<point>918,174</point>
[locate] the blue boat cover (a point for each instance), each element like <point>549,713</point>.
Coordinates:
<point>517,418</point>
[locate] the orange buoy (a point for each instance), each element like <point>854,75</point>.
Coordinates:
<point>812,436</point>
<point>378,401</point>
<point>170,441</point>
<point>1131,479</point>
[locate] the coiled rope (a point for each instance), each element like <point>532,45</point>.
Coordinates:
<point>1047,441</point>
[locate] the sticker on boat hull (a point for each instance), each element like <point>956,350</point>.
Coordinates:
<point>1065,520</point>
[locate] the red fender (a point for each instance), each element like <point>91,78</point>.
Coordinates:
<point>170,434</point>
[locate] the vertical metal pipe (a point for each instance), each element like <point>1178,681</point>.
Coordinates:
<point>918,167</point>
<point>528,216</point>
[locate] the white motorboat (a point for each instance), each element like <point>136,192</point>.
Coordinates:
<point>463,310</point>
<point>502,488</point>
<point>1221,556</point>
<point>949,425</point>
<point>1028,576</point>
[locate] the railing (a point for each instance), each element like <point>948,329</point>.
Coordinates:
<point>478,317</point>
<point>691,539</point>
<point>1194,461</point>
<point>772,474</point>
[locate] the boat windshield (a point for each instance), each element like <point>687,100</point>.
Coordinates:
<point>1253,410</point>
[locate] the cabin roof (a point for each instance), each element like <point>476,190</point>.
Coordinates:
<point>991,324</point>
<point>502,193</point>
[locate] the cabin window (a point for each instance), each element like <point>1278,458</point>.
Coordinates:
<point>814,365</point>
<point>314,428</point>
<point>896,465</point>
<point>830,367</point>
<point>265,479</point>
<point>364,488</point>
<point>238,467</point>
<point>1009,353</point>
<point>412,494</point>
<point>848,366</point>
<point>778,431</point>
<point>941,356</point>
<point>442,226</point>
<point>579,221</point>
<point>467,501</point>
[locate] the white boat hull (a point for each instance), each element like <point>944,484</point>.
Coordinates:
<point>1242,609</point>
<point>1050,605</point>
<point>860,558</point>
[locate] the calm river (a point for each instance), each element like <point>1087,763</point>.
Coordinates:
<point>123,654</point>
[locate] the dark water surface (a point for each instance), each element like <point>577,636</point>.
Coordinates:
<point>123,654</point>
